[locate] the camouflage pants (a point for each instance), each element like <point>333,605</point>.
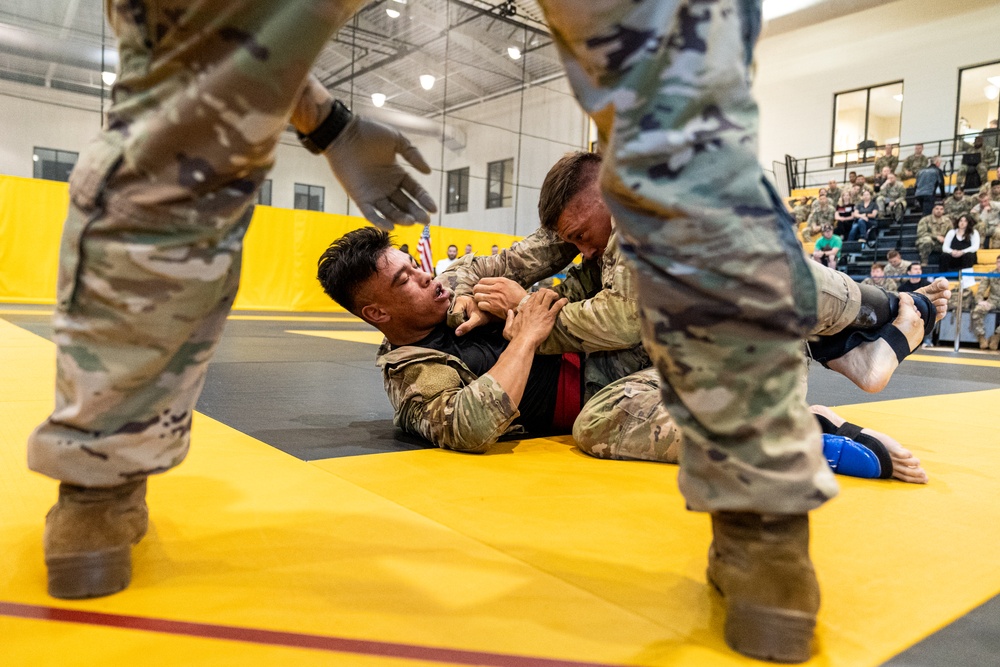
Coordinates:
<point>726,294</point>
<point>160,202</point>
<point>978,317</point>
<point>925,247</point>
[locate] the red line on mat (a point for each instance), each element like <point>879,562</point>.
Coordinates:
<point>278,638</point>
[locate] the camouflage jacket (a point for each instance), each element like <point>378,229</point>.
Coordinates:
<point>915,163</point>
<point>893,271</point>
<point>888,284</point>
<point>989,290</point>
<point>957,207</point>
<point>895,192</point>
<point>890,161</point>
<point>833,195</point>
<point>930,227</point>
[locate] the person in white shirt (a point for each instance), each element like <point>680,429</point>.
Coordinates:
<point>445,263</point>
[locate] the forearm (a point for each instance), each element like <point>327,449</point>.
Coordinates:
<point>512,368</point>
<point>609,321</point>
<point>537,256</point>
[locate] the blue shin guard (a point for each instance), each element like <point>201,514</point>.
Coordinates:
<point>847,457</point>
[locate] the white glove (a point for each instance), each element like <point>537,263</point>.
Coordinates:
<point>363,158</point>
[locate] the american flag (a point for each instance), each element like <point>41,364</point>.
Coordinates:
<point>424,250</point>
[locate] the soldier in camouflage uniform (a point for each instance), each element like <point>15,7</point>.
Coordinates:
<point>886,160</point>
<point>914,163</point>
<point>931,231</point>
<point>802,210</point>
<point>823,213</point>
<point>862,185</point>
<point>958,204</point>
<point>895,265</point>
<point>892,198</point>
<point>987,301</point>
<point>833,192</point>
<point>987,215</point>
<point>987,158</point>
<point>150,257</point>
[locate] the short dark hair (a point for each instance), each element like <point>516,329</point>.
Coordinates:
<point>350,261</point>
<point>567,177</point>
<point>878,265</point>
<point>892,253</point>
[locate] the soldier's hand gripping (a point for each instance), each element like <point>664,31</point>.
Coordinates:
<point>363,158</point>
<point>535,319</point>
<point>472,315</point>
<point>498,295</point>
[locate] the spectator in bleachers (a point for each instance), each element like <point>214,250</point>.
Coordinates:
<point>993,188</point>
<point>930,182</point>
<point>822,214</point>
<point>961,247</point>
<point>888,159</point>
<point>876,277</point>
<point>895,264</point>
<point>931,231</point>
<point>986,157</point>
<point>914,163</point>
<point>987,301</point>
<point>468,249</point>
<point>913,279</point>
<point>863,185</point>
<point>880,179</point>
<point>851,177</point>
<point>865,215</point>
<point>987,214</point>
<point>824,193</point>
<point>958,204</point>
<point>892,198</point>
<point>844,215</point>
<point>827,248</point>
<point>833,191</point>
<point>445,263</point>
<point>802,209</point>
<point>494,249</point>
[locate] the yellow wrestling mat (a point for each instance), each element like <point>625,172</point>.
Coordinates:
<point>535,556</point>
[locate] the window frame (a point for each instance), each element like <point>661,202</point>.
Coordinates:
<point>868,101</point>
<point>311,191</point>
<point>461,203</point>
<point>958,100</point>
<point>265,191</point>
<point>506,198</point>
<point>38,164</point>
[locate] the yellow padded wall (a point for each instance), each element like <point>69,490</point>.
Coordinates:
<point>32,212</point>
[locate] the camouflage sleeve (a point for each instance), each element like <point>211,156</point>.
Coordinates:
<point>527,261</point>
<point>923,229</point>
<point>431,400</point>
<point>607,321</point>
<point>582,281</point>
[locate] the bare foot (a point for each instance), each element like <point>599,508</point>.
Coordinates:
<point>905,466</point>
<point>938,292</point>
<point>870,365</point>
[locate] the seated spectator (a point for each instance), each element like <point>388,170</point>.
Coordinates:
<point>960,249</point>
<point>833,191</point>
<point>862,185</point>
<point>876,277</point>
<point>987,301</point>
<point>801,210</point>
<point>931,231</point>
<point>827,248</point>
<point>468,249</point>
<point>987,214</point>
<point>822,191</point>
<point>888,159</point>
<point>914,163</point>
<point>896,265</point>
<point>930,183</point>
<point>443,264</point>
<point>880,179</point>
<point>822,214</point>
<point>851,177</point>
<point>865,215</point>
<point>844,215</point>
<point>986,158</point>
<point>494,249</point>
<point>892,198</point>
<point>958,204</point>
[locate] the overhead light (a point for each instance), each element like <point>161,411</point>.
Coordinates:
<point>991,92</point>
<point>402,2</point>
<point>514,52</point>
<point>898,98</point>
<point>427,81</point>
<point>109,78</point>
<point>995,80</point>
<point>34,157</point>
<point>378,99</point>
<point>393,14</point>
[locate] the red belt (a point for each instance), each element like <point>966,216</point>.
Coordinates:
<point>568,394</point>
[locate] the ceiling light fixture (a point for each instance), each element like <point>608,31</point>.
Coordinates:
<point>109,78</point>
<point>402,2</point>
<point>898,98</point>
<point>514,52</point>
<point>378,99</point>
<point>995,80</point>
<point>427,81</point>
<point>393,14</point>
<point>991,92</point>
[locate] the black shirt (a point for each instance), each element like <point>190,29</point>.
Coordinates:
<point>479,350</point>
<point>906,286</point>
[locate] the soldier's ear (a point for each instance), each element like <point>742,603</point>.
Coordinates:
<point>374,314</point>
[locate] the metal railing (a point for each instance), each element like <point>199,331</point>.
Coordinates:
<point>817,171</point>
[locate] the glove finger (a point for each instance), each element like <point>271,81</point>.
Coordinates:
<point>404,203</point>
<point>410,186</point>
<point>392,213</point>
<point>412,155</point>
<point>373,217</point>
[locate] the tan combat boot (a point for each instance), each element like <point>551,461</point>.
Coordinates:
<point>89,535</point>
<point>983,342</point>
<point>760,564</point>
<point>995,340</point>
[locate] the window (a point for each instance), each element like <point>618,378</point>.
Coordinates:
<point>308,197</point>
<point>53,165</point>
<point>458,191</point>
<point>978,104</point>
<point>500,183</point>
<point>864,119</point>
<point>264,193</point>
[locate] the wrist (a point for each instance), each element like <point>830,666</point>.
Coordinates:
<point>327,129</point>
